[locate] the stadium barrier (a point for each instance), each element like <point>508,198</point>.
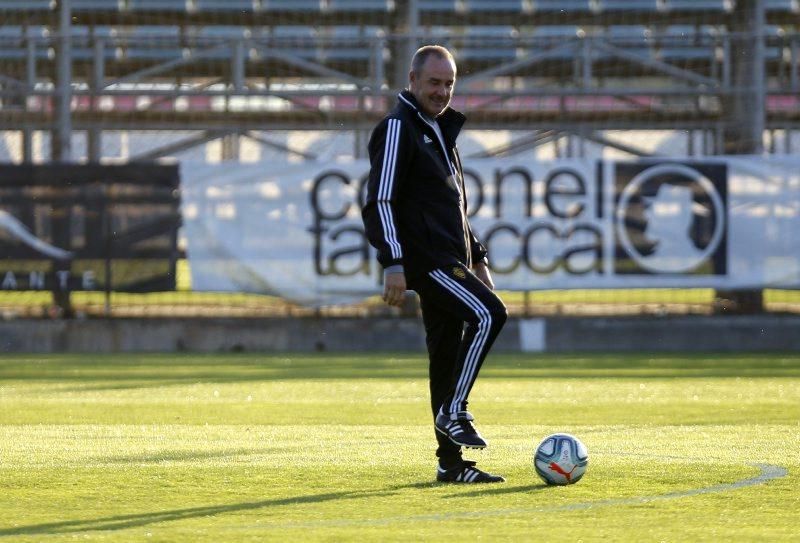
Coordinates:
<point>702,334</point>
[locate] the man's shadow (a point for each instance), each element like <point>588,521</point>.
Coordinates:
<point>122,522</point>
<point>495,490</point>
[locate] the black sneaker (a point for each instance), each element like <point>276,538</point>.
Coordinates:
<point>466,472</point>
<point>458,427</point>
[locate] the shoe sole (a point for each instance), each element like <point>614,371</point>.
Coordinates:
<point>469,483</point>
<point>454,440</point>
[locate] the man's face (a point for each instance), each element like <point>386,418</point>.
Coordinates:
<point>433,85</point>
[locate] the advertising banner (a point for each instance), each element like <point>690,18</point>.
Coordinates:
<point>68,227</point>
<point>294,230</point>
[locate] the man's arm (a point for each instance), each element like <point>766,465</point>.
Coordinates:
<point>388,165</point>
<point>480,264</point>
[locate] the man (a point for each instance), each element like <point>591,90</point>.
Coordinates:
<point>416,217</point>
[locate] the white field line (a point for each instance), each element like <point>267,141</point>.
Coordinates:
<point>767,472</point>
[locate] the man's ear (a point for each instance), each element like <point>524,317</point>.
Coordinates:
<point>412,77</point>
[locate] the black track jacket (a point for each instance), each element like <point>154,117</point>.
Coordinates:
<point>415,212</point>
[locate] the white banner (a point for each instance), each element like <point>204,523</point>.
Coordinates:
<point>295,231</point>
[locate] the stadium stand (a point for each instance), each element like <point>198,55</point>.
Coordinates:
<point>172,34</point>
<point>300,41</point>
<point>94,5</point>
<point>346,45</point>
<point>628,6</point>
<point>562,5</point>
<point>446,6</point>
<point>292,5</point>
<point>14,41</point>
<point>678,43</point>
<point>214,42</point>
<point>551,39</point>
<point>698,5</point>
<point>357,6</point>
<point>513,6</point>
<point>783,6</point>
<point>25,5</point>
<point>551,68</point>
<point>83,46</point>
<point>174,6</point>
<point>156,43</point>
<point>243,6</point>
<point>485,45</point>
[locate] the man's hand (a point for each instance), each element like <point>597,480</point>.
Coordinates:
<point>481,271</point>
<point>394,288</point>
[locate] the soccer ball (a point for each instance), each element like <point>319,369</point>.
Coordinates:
<point>561,459</point>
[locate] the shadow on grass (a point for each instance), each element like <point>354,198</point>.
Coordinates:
<point>181,456</point>
<point>105,374</point>
<point>122,522</point>
<point>496,490</point>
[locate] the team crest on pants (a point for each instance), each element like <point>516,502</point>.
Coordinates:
<point>459,272</point>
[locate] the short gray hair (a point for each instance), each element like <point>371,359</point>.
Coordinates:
<point>422,54</point>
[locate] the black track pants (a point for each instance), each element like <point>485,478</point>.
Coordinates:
<point>462,318</point>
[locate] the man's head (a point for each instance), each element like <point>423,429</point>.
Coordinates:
<point>432,78</point>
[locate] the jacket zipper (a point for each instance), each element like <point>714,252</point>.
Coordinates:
<point>462,197</point>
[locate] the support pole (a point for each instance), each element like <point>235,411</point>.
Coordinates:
<point>745,116</point>
<point>61,147</point>
<point>30,83</point>
<point>95,134</point>
<point>745,108</point>
<point>61,140</point>
<point>231,143</point>
<point>406,47</point>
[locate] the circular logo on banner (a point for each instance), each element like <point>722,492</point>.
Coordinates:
<point>670,218</point>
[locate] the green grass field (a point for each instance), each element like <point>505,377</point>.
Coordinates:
<point>339,448</point>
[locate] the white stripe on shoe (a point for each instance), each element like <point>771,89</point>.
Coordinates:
<point>478,344</point>
<point>454,429</point>
<point>385,186</point>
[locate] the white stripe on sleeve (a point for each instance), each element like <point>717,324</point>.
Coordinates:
<point>385,186</point>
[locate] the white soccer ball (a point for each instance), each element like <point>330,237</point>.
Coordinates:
<point>560,459</point>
